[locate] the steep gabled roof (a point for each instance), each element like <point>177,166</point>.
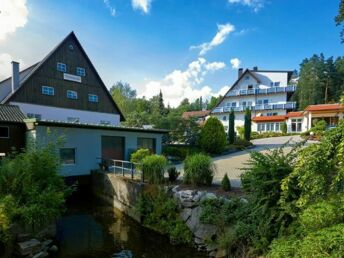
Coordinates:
<point>10,113</point>
<point>247,71</point>
<point>36,67</point>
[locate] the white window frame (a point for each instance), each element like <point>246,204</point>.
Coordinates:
<point>93,98</point>
<point>8,132</point>
<point>75,154</point>
<point>72,94</point>
<point>48,90</point>
<point>61,67</point>
<point>80,71</point>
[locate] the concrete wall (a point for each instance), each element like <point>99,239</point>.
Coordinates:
<point>117,191</point>
<point>87,143</point>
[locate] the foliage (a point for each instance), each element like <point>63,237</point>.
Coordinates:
<point>161,212</point>
<point>256,135</point>
<point>319,127</point>
<point>180,152</point>
<point>173,174</point>
<point>198,170</point>
<point>138,156</point>
<point>262,183</point>
<point>213,102</point>
<point>213,136</point>
<point>241,131</point>
<point>340,18</point>
<point>241,143</point>
<point>321,81</point>
<point>31,191</point>
<point>247,125</point>
<point>284,128</point>
<point>153,167</point>
<point>231,126</point>
<point>225,183</point>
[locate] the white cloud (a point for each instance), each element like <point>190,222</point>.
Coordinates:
<point>223,30</point>
<point>5,65</point>
<point>13,15</point>
<point>222,91</point>
<point>235,62</point>
<point>178,84</point>
<point>256,5</point>
<point>143,5</point>
<point>110,8</point>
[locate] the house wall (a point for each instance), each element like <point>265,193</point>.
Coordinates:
<point>267,77</point>
<point>16,138</point>
<point>87,143</point>
<point>61,114</point>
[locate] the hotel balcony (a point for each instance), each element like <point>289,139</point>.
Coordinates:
<point>271,90</point>
<point>270,106</point>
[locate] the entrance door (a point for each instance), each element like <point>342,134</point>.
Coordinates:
<point>113,147</point>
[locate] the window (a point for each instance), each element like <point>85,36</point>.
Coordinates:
<point>277,127</point>
<point>224,118</point>
<point>80,71</point>
<point>243,103</point>
<point>271,84</point>
<point>92,98</point>
<point>73,119</point>
<point>146,143</point>
<point>4,132</point>
<point>67,156</point>
<point>259,127</point>
<point>61,67</point>
<point>71,94</point>
<point>272,114</point>
<point>259,102</point>
<point>277,84</point>
<point>32,115</point>
<point>105,122</point>
<point>233,104</point>
<point>296,125</point>
<point>250,87</point>
<point>249,103</point>
<point>46,90</point>
<point>266,101</point>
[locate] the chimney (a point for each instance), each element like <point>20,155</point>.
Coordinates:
<point>255,68</point>
<point>240,71</point>
<point>15,76</point>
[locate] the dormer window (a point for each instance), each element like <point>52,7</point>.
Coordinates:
<point>277,84</point>
<point>92,98</point>
<point>250,87</point>
<point>80,71</point>
<point>71,94</point>
<point>61,67</point>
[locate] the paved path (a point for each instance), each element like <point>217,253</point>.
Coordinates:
<point>232,163</point>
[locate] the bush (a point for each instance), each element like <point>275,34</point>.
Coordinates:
<point>319,127</point>
<point>138,156</point>
<point>161,213</point>
<point>180,152</point>
<point>153,167</point>
<point>213,137</point>
<point>247,125</point>
<point>31,190</point>
<point>284,128</point>
<point>231,126</point>
<point>225,183</point>
<point>241,144</point>
<point>241,131</point>
<point>199,170</point>
<point>173,174</point>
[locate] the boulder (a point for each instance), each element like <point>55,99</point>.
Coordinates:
<point>208,196</point>
<point>22,237</point>
<point>28,247</point>
<point>41,255</point>
<point>53,249</point>
<point>186,214</point>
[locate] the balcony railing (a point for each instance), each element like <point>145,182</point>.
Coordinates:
<point>261,91</point>
<point>270,106</point>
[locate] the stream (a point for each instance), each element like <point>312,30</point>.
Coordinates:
<point>91,230</point>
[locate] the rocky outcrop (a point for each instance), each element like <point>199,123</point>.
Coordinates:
<point>190,205</point>
<point>35,248</point>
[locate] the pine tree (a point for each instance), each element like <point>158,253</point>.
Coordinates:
<point>161,104</point>
<point>247,125</point>
<point>231,127</point>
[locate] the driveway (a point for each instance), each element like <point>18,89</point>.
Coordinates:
<point>232,163</point>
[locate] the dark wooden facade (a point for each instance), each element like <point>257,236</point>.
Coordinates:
<point>71,53</point>
<point>16,139</point>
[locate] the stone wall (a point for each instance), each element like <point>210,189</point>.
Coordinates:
<point>120,192</point>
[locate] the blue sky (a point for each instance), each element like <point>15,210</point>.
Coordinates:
<point>158,44</point>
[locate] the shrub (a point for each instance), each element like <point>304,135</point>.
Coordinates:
<point>153,167</point>
<point>180,152</point>
<point>241,131</point>
<point>247,125</point>
<point>231,126</point>
<point>225,183</point>
<point>284,127</point>
<point>213,136</point>
<point>161,213</point>
<point>242,143</point>
<point>198,170</point>
<point>138,156</point>
<point>319,127</point>
<point>173,174</point>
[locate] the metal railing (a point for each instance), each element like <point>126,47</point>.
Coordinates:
<point>271,90</point>
<point>270,106</point>
<point>122,167</point>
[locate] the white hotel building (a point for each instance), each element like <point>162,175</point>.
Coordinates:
<point>266,92</point>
